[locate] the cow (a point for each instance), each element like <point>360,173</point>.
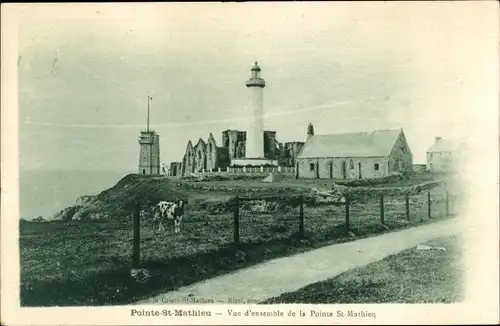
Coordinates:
<point>169,210</point>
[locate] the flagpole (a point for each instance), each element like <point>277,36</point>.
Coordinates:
<point>151,144</point>
<point>147,127</point>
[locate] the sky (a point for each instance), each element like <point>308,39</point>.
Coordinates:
<point>85,72</point>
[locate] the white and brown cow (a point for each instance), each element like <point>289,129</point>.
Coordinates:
<point>169,210</point>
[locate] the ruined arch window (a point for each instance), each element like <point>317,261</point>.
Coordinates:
<point>351,165</point>
<point>199,155</point>
<point>210,147</point>
<point>376,166</point>
<point>311,166</point>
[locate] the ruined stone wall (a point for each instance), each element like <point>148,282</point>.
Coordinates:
<point>222,157</point>
<point>175,169</point>
<point>271,151</point>
<point>211,153</point>
<point>241,144</point>
<point>189,160</point>
<point>200,157</point>
<point>230,141</point>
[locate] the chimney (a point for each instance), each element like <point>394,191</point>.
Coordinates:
<point>310,131</point>
<point>437,139</point>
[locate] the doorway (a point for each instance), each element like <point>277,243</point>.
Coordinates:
<point>359,170</point>
<point>143,171</point>
<point>331,170</point>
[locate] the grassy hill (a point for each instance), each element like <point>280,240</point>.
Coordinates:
<point>87,262</point>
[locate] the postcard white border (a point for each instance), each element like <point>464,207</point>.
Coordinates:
<point>481,232</point>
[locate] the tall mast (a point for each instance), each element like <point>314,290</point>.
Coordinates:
<point>147,127</point>
<point>150,144</point>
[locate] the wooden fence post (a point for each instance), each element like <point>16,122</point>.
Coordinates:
<point>447,203</point>
<point>382,221</point>
<point>136,251</point>
<point>236,231</point>
<point>301,216</point>
<point>429,215</point>
<point>347,226</point>
<point>407,202</point>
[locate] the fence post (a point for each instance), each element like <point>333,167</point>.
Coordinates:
<point>447,202</point>
<point>429,215</point>
<point>236,231</point>
<point>136,258</point>
<point>301,216</point>
<point>382,221</point>
<point>347,217</point>
<point>407,202</point>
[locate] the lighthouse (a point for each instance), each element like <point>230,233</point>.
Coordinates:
<point>255,132</point>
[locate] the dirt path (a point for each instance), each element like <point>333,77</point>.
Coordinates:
<point>287,274</point>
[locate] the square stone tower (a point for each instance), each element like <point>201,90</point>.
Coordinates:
<point>149,156</point>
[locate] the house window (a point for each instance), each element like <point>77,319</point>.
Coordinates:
<point>311,167</point>
<point>351,165</point>
<point>431,156</point>
<point>375,167</point>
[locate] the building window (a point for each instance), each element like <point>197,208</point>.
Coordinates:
<point>376,167</point>
<point>351,165</point>
<point>431,156</point>
<point>311,167</point>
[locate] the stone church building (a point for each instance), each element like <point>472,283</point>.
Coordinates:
<point>360,155</point>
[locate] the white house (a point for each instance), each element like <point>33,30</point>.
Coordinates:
<point>443,155</point>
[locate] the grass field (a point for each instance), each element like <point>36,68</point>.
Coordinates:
<point>412,276</point>
<point>289,182</point>
<point>88,263</point>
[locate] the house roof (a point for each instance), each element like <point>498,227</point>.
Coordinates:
<point>377,143</point>
<point>444,145</point>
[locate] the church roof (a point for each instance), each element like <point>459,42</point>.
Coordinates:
<point>377,143</point>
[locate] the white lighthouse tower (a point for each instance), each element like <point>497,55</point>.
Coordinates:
<point>254,147</point>
<point>255,132</point>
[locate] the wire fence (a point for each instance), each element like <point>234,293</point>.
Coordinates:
<point>261,219</point>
